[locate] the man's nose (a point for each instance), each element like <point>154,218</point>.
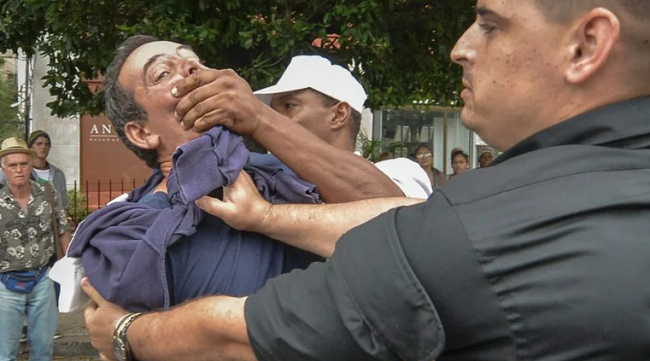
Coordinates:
<point>462,53</point>
<point>188,67</point>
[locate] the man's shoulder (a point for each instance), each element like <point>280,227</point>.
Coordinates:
<point>40,185</point>
<point>408,175</point>
<point>53,167</point>
<point>56,171</point>
<point>546,168</point>
<point>403,167</point>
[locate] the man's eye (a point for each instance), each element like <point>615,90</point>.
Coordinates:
<point>289,106</point>
<point>487,28</point>
<point>161,76</point>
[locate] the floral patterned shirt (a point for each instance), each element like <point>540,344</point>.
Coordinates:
<point>26,239</point>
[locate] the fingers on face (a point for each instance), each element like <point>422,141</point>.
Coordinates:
<point>195,80</point>
<point>193,102</point>
<point>203,100</point>
<point>205,115</point>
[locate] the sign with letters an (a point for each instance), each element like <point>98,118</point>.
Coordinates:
<point>108,167</point>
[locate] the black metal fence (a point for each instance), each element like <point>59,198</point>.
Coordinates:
<point>88,196</point>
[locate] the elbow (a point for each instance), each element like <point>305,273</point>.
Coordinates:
<point>328,250</point>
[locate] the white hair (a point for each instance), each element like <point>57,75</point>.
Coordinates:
<point>2,160</point>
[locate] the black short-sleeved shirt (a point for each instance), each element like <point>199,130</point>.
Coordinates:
<point>543,256</point>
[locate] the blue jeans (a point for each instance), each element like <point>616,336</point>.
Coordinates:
<point>42,313</point>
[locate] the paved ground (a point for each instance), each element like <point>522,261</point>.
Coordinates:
<point>74,345</point>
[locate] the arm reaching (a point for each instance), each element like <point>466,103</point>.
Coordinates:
<point>220,97</point>
<point>312,227</point>
<point>211,328</point>
<point>331,311</point>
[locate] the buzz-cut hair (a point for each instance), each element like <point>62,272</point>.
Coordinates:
<point>566,10</point>
<point>634,16</point>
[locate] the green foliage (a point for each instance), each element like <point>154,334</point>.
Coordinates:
<point>370,149</point>
<point>78,205</point>
<point>10,123</point>
<point>399,48</point>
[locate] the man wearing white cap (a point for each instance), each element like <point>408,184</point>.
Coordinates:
<point>327,100</point>
<point>324,98</point>
<point>321,90</point>
<point>30,222</point>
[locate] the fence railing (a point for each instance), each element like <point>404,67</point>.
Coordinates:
<point>88,196</point>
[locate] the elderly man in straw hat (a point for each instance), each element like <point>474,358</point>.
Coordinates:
<point>32,229</point>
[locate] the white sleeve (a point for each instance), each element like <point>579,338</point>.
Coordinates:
<point>408,175</point>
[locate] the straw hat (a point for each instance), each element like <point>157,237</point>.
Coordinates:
<point>15,145</point>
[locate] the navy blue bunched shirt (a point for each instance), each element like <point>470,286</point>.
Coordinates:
<point>156,250</point>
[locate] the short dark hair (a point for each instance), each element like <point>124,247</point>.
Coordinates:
<point>461,152</point>
<point>121,106</point>
<point>355,118</point>
<point>422,146</point>
<point>566,10</point>
<point>635,28</point>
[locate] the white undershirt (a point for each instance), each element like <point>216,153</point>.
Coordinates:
<point>43,174</point>
<point>408,175</point>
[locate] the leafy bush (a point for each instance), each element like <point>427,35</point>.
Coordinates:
<point>78,208</point>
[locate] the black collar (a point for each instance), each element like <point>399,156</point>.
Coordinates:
<point>624,124</point>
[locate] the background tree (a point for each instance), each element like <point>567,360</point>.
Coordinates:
<point>11,124</point>
<point>399,48</point>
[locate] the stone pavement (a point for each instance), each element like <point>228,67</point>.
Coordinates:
<point>75,343</point>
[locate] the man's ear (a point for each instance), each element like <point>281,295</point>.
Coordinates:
<point>342,115</point>
<point>140,136</point>
<point>594,37</point>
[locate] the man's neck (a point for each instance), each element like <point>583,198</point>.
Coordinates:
<point>343,143</point>
<point>41,164</point>
<point>165,169</point>
<point>21,191</point>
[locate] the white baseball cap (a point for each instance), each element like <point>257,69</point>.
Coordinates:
<point>318,73</point>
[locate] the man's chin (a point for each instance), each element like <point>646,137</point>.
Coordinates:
<point>467,117</point>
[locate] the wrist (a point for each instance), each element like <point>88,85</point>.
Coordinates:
<point>264,224</point>
<point>267,120</point>
<point>121,346</point>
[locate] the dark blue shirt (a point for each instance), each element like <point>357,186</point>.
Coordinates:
<point>145,254</point>
<point>218,259</point>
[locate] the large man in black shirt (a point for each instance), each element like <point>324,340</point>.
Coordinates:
<point>542,256</point>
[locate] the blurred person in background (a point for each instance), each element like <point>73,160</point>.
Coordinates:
<point>424,157</point>
<point>459,162</point>
<point>485,157</point>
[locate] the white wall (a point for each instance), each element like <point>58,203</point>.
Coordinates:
<point>63,131</point>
